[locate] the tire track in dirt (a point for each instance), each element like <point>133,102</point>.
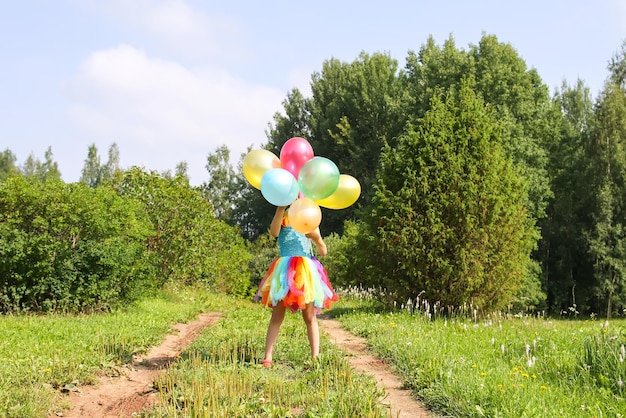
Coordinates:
<point>400,401</point>
<point>132,390</point>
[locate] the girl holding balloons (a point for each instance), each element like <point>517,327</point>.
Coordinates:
<point>295,280</point>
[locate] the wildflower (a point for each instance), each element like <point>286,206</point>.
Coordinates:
<point>493,341</point>
<point>620,383</point>
<point>483,374</point>
<point>543,387</point>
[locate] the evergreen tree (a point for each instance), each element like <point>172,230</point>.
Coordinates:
<point>218,190</point>
<point>567,269</point>
<point>91,174</point>
<point>607,170</point>
<point>112,165</point>
<point>35,169</point>
<point>8,167</point>
<point>449,209</point>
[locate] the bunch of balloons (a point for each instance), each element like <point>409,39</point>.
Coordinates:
<point>302,180</point>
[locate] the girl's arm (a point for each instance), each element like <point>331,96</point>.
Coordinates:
<point>316,237</point>
<point>277,221</point>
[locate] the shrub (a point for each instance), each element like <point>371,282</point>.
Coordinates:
<point>188,244</point>
<point>67,247</point>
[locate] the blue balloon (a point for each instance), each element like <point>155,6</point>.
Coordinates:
<point>279,187</point>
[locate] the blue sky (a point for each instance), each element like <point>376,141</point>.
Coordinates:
<point>171,80</point>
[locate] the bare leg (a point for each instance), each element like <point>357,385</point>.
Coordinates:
<point>278,315</point>
<point>312,329</point>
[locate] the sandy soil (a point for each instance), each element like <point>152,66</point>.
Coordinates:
<point>401,402</point>
<point>132,391</point>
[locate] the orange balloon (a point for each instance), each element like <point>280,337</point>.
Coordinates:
<point>256,163</point>
<point>304,215</point>
<point>347,192</point>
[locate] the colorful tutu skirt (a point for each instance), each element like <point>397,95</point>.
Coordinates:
<point>294,282</point>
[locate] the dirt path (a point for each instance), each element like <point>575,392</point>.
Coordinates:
<point>132,391</point>
<point>400,401</point>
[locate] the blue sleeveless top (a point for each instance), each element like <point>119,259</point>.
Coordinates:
<point>293,243</point>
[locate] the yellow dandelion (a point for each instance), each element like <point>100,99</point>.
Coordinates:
<point>543,387</point>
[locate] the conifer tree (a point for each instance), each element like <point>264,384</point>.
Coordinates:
<point>449,209</point>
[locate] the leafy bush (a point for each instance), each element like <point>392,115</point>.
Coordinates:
<point>67,247</point>
<point>188,244</point>
<point>348,257</point>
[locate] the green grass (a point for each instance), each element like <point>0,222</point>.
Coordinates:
<point>43,355</point>
<point>501,366</point>
<point>219,376</point>
<point>463,366</point>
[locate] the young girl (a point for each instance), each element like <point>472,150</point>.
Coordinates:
<point>295,280</point>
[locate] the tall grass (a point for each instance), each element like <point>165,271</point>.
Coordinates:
<point>499,365</point>
<point>219,376</point>
<point>42,356</point>
<point>459,362</point>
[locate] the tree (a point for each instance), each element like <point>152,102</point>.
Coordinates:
<point>35,169</point>
<point>218,190</point>
<point>449,208</point>
<point>8,168</point>
<point>567,266</point>
<point>49,169</point>
<point>516,93</point>
<point>91,174</point>
<point>112,165</point>
<point>354,110</point>
<point>94,173</point>
<point>606,154</point>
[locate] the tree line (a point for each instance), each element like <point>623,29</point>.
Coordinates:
<point>479,185</point>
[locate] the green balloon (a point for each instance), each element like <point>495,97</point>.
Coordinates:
<point>318,178</point>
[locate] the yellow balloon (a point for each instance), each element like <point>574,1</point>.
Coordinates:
<point>346,194</point>
<point>304,215</point>
<point>256,163</point>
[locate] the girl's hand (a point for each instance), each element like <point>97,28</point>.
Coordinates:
<point>316,237</point>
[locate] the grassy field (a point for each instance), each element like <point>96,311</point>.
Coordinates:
<point>462,366</point>
<point>500,365</point>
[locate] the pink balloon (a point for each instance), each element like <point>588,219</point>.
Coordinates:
<point>294,154</point>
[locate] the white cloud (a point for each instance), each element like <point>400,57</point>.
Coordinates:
<point>167,111</point>
<point>177,24</point>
